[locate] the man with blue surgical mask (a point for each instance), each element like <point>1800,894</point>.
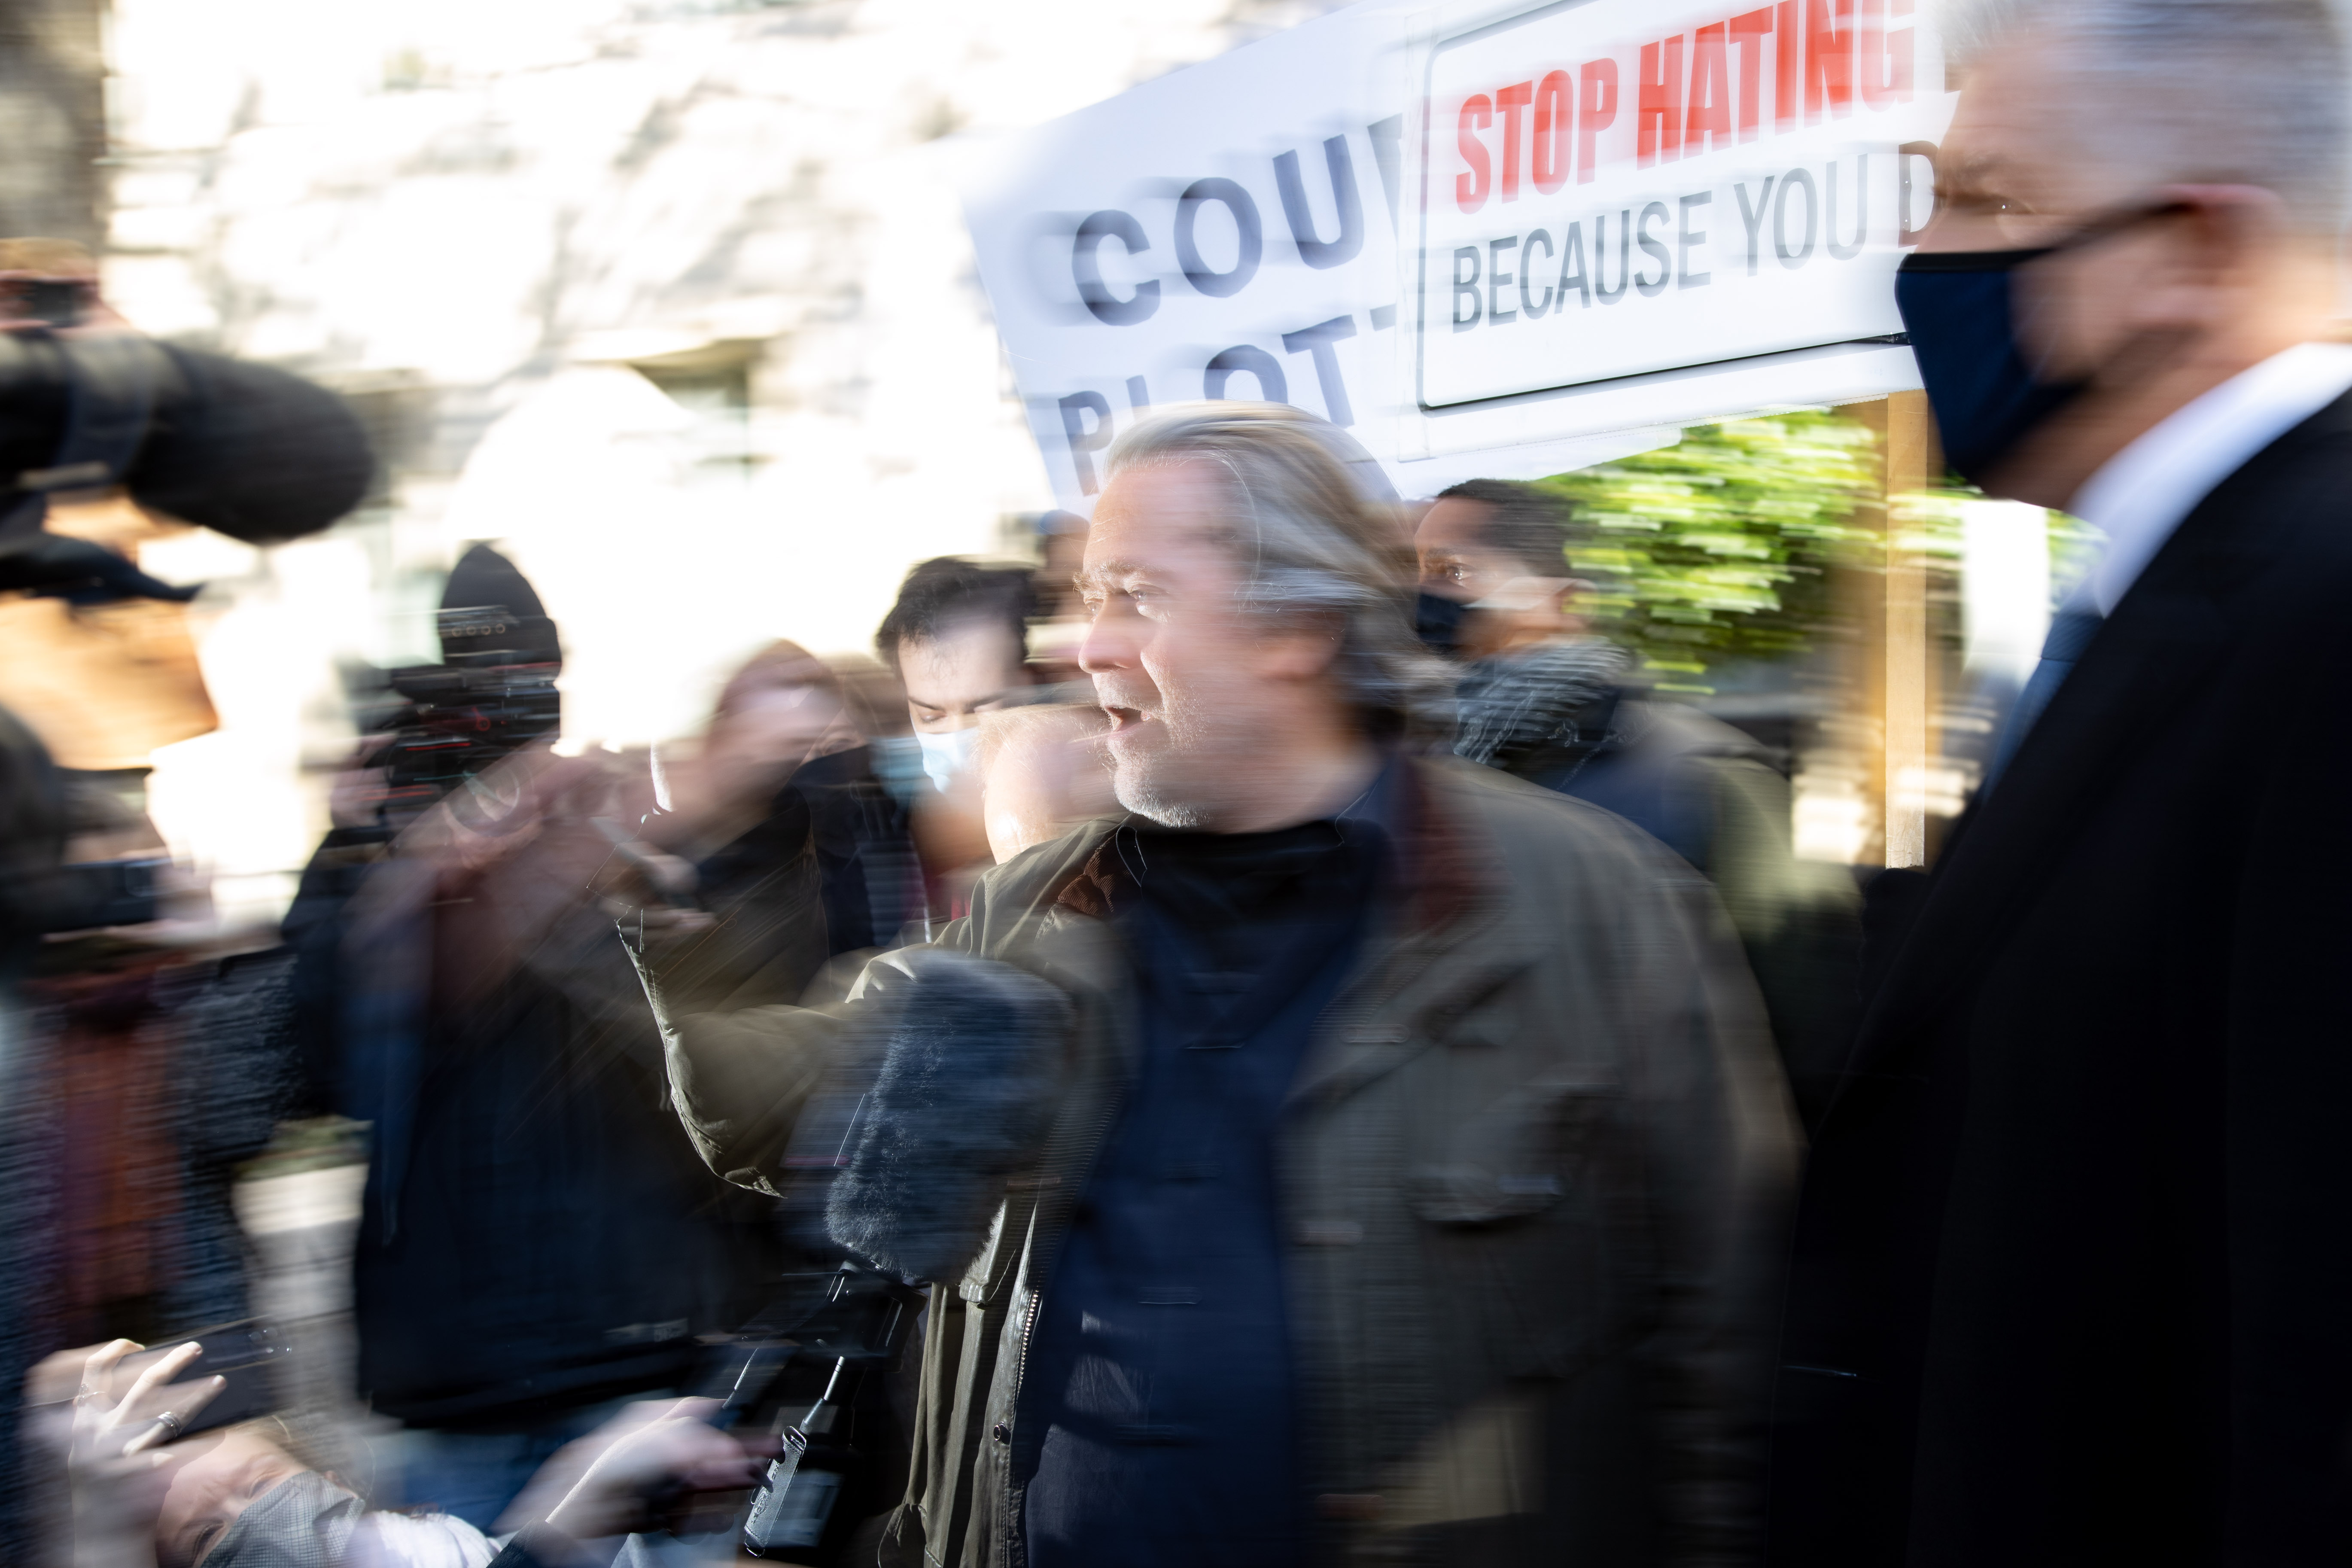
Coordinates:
<point>958,636</point>
<point>2068,1286</point>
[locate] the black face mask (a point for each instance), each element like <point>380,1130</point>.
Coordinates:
<point>1437,621</point>
<point>1960,309</point>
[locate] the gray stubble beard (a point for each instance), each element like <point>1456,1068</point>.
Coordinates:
<point>1146,801</point>
<point>1148,792</point>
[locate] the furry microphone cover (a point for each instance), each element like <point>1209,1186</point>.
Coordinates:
<point>964,1100</point>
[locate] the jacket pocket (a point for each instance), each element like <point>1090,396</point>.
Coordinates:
<point>1480,1194</point>
<point>1510,1161</point>
<point>1514,1204</point>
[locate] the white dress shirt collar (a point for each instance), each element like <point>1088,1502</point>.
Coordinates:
<point>2139,496</point>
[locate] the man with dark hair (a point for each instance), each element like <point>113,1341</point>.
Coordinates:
<point>1498,552</point>
<point>1544,699</point>
<point>959,639</point>
<point>1525,525</point>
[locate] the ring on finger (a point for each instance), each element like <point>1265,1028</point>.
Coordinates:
<point>172,1425</point>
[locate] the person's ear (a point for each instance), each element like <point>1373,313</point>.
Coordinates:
<point>1301,647</point>
<point>2225,241</point>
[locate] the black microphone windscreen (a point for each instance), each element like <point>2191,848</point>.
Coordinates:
<point>251,451</point>
<point>964,1100</point>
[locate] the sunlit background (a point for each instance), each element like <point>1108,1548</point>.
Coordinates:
<point>674,299</point>
<point>677,302</point>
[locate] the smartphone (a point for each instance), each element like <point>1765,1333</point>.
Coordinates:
<point>252,1355</point>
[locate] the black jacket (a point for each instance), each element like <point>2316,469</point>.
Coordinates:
<point>2070,1283</point>
<point>1713,796</point>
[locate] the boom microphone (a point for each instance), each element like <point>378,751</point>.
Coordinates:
<point>244,450</point>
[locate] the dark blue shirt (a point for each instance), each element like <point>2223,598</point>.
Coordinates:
<point>1161,1365</point>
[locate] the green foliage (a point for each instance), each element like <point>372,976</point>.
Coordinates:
<point>1929,525</point>
<point>1718,549</point>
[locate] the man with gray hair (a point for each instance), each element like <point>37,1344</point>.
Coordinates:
<point>1340,1157</point>
<point>2069,1284</point>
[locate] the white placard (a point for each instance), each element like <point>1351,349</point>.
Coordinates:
<point>1614,187</point>
<point>1231,230</point>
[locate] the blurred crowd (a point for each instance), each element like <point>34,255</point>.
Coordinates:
<point>1261,1036</point>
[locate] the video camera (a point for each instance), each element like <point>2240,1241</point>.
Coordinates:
<point>492,694</point>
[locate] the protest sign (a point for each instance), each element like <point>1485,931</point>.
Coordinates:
<point>1494,240</point>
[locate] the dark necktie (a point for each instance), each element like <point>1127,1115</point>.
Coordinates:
<point>2070,630</point>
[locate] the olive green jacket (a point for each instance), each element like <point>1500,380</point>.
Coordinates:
<point>1533,1186</point>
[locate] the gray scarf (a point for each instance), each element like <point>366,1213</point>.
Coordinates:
<point>1512,704</point>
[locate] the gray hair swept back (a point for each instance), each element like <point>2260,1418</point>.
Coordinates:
<point>1315,537</point>
<point>2253,92</point>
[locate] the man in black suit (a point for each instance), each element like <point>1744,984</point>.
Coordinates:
<point>2071,1284</point>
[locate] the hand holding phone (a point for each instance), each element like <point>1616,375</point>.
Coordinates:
<point>118,1462</point>
<point>246,1356</point>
